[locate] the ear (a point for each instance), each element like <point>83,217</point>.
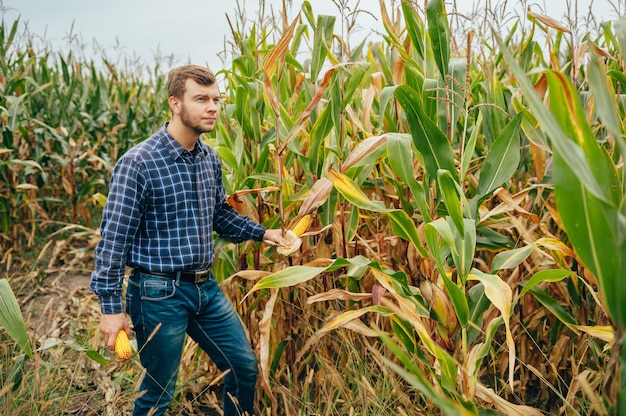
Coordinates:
<point>174,104</point>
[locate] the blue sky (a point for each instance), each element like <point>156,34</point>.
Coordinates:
<point>191,30</point>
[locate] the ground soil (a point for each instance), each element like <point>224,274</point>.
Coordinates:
<point>61,306</point>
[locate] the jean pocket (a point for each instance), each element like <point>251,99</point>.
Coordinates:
<point>156,288</point>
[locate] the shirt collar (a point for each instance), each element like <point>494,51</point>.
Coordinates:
<point>176,150</point>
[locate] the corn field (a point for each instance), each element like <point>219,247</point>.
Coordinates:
<point>460,179</point>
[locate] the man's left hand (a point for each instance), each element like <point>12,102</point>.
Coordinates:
<point>275,238</point>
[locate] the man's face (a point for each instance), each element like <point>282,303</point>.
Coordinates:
<point>200,106</point>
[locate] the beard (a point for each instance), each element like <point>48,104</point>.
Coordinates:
<point>196,126</point>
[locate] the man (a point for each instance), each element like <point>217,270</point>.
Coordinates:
<point>165,200</point>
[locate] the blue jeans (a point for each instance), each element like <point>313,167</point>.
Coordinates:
<point>202,311</point>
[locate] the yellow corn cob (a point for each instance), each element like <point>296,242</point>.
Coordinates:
<point>122,346</point>
<point>302,225</point>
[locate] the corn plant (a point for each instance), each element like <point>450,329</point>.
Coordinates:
<point>588,182</point>
<point>65,122</point>
<point>450,202</point>
<point>442,267</point>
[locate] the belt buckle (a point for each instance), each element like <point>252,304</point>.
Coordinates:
<point>200,276</point>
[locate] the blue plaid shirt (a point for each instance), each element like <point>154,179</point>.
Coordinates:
<point>163,205</point>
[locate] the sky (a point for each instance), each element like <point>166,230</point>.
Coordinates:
<point>194,31</point>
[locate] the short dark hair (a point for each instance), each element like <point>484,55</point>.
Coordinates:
<point>178,76</point>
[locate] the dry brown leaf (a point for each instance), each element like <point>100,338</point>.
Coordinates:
<point>601,51</point>
<point>300,124</point>
<point>515,203</point>
<point>265,326</point>
<point>378,292</point>
<point>242,205</point>
<point>320,262</point>
<point>509,409</point>
<point>368,101</point>
<point>338,294</point>
<point>605,333</point>
<point>276,58</point>
<point>548,21</point>
<point>363,149</point>
<point>360,328</point>
<point>319,193</point>
<point>555,245</point>
<point>398,72</point>
<point>539,160</point>
<point>541,86</point>
<point>558,352</point>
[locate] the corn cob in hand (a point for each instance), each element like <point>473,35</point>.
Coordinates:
<point>122,346</point>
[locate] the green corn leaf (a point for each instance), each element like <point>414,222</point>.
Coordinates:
<point>553,306</point>
<point>468,151</point>
<point>432,241</point>
<point>458,299</point>
<point>619,27</point>
<point>441,227</point>
<point>592,224</point>
<point>510,258</point>
<point>462,248</point>
<point>568,112</point>
<point>321,45</point>
<point>413,375</point>
<point>400,156</point>
<point>484,347</point>
<point>429,140</point>
<point>404,227</point>
<point>478,304</point>
<point>352,224</point>
<point>456,95</point>
<point>414,26</point>
<point>386,97</point>
<point>606,103</point>
<point>439,32</point>
<point>571,152</point>
<point>541,276</point>
<point>11,317</point>
<point>502,160</point>
<point>356,72</point>
<point>227,157</point>
<point>321,128</point>
<point>618,76</point>
<point>299,274</point>
<point>466,248</point>
<point>592,230</point>
<point>288,277</point>
<point>449,189</point>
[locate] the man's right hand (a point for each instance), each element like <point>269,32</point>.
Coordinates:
<point>110,325</point>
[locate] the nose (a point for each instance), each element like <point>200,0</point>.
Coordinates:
<point>212,106</point>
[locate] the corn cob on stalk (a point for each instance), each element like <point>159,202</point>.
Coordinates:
<point>302,225</point>
<point>122,346</point>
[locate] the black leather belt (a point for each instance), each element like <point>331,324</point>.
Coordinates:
<point>194,276</point>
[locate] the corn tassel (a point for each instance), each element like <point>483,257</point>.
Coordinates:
<point>122,346</point>
<point>302,225</point>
